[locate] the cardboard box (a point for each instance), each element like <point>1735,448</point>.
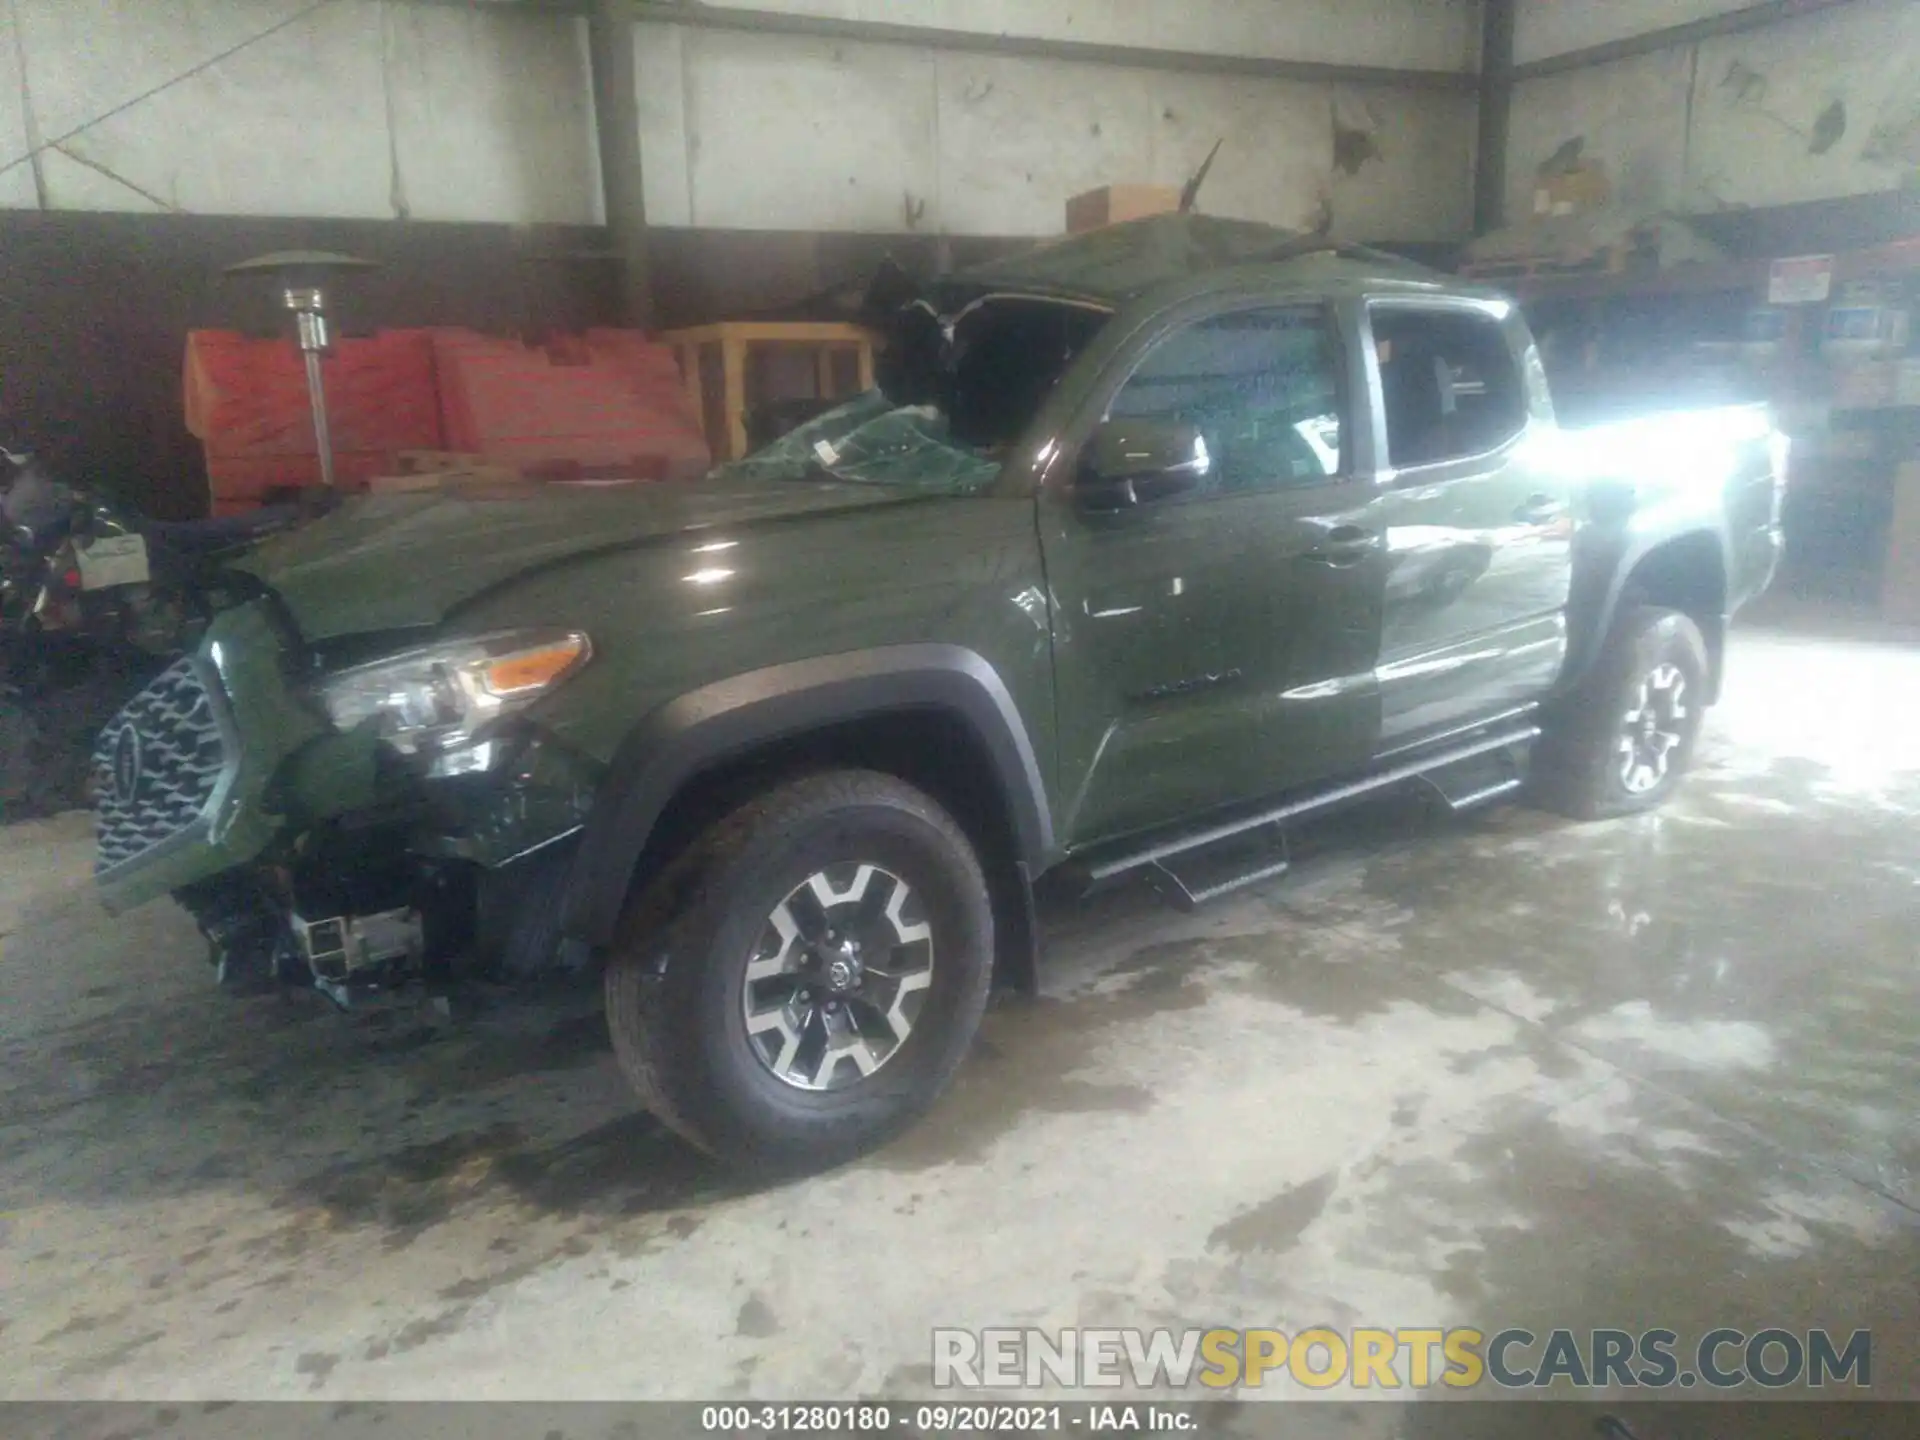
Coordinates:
<point>1900,576</point>
<point>1569,192</point>
<point>1111,204</point>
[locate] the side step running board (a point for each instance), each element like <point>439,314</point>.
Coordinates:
<point>1477,797</point>
<point>1188,889</point>
<point>1184,891</point>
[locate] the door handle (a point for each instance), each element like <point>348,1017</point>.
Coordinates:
<point>1539,508</point>
<point>1342,546</point>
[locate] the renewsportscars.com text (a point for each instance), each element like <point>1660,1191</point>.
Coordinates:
<point>1414,1359</point>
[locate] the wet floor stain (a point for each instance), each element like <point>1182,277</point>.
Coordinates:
<point>104,1362</point>
<point>1630,1212</point>
<point>1703,958</point>
<point>571,1043</point>
<point>629,1165</point>
<point>756,1320</point>
<point>1276,1225</point>
<point>411,1189</point>
<point>317,1364</point>
<point>82,1325</point>
<point>1025,1064</point>
<point>416,1333</point>
<point>1550,1060</point>
<point>625,1167</point>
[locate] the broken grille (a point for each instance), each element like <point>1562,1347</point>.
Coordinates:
<point>157,767</point>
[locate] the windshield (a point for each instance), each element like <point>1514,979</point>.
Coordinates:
<point>871,441</point>
<point>956,394</point>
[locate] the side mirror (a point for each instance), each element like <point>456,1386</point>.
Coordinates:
<point>1136,462</point>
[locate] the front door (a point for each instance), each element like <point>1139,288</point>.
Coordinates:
<point>1479,534</point>
<point>1218,643</point>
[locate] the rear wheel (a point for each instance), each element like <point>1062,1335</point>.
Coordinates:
<point>1623,740</point>
<point>802,982</point>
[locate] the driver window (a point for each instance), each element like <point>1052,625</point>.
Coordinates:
<point>1261,387</point>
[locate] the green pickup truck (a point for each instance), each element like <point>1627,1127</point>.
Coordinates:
<point>1150,543</point>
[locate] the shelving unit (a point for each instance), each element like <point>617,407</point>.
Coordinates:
<point>1850,439</point>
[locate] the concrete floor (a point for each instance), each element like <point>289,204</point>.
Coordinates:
<point>1509,1071</point>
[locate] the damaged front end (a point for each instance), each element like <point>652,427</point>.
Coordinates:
<point>345,794</point>
<point>346,914</point>
<point>338,826</point>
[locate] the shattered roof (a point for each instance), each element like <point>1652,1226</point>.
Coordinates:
<point>1122,262</point>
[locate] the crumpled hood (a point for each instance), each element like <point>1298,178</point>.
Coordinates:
<point>395,562</point>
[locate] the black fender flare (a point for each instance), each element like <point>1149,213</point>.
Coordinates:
<point>1601,572</point>
<point>731,718</point>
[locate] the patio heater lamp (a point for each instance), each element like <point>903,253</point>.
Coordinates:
<point>301,277</point>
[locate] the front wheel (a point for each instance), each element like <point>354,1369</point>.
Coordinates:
<point>802,982</point>
<point>1622,741</point>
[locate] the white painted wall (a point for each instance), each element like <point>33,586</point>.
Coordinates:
<point>377,108</point>
<point>1543,28</point>
<point>1728,121</point>
<point>358,109</point>
<point>772,132</point>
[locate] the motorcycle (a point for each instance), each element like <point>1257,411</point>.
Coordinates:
<point>94,603</point>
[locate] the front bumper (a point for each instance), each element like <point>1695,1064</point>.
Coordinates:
<point>177,810</point>
<point>224,763</point>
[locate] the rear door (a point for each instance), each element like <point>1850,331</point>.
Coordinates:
<point>1478,529</point>
<point>1218,644</point>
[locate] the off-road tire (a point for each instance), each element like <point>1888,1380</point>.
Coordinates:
<point>674,980</point>
<point>1578,764</point>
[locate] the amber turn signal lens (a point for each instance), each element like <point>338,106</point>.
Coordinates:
<point>533,669</point>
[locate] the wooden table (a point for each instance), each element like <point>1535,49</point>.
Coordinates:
<point>727,432</point>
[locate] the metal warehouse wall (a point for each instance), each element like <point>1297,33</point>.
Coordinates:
<point>757,131</point>
<point>354,109</point>
<point>1553,27</point>
<point>752,132</point>
<point>1415,34</point>
<point>340,109</point>
<point>1726,122</point>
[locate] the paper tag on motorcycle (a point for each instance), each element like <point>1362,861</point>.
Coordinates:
<point>113,560</point>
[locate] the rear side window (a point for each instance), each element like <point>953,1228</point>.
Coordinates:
<point>1261,387</point>
<point>1450,384</point>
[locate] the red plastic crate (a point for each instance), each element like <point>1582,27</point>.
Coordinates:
<point>247,402</point>
<point>607,400</point>
<point>249,397</point>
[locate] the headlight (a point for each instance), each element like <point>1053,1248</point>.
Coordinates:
<point>439,700</point>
